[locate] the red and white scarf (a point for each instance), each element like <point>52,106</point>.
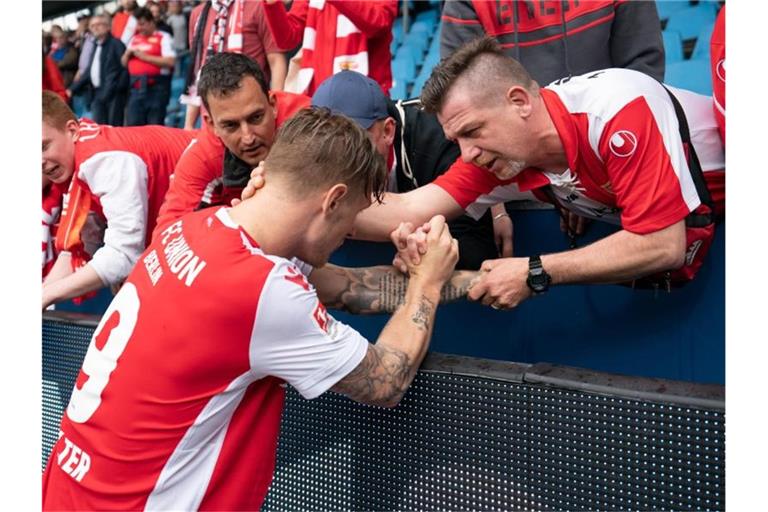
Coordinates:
<point>78,202</point>
<point>226,27</point>
<point>338,46</point>
<point>52,198</point>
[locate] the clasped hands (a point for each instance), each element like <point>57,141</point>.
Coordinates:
<point>501,283</point>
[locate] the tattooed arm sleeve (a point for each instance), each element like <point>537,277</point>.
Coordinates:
<point>381,289</point>
<point>389,366</point>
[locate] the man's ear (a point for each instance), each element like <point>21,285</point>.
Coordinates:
<point>519,98</point>
<point>333,198</point>
<point>207,119</point>
<point>389,130</point>
<point>72,128</point>
<point>272,99</point>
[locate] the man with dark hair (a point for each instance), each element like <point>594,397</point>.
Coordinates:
<point>200,433</point>
<point>149,58</point>
<point>115,180</point>
<point>105,78</point>
<point>241,118</point>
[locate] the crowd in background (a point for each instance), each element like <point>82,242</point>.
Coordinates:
<point>90,69</point>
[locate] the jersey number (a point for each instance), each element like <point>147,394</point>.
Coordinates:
<point>107,344</point>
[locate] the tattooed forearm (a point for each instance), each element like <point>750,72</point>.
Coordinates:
<point>393,285</point>
<point>381,378</point>
<point>423,316</point>
<point>371,290</point>
<point>391,292</point>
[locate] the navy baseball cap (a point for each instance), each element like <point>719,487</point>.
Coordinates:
<point>353,95</point>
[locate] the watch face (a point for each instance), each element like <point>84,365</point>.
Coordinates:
<point>539,282</point>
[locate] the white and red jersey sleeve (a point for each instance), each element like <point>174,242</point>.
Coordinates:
<point>646,166</point>
<point>622,141</point>
<point>119,180</point>
<point>296,339</point>
<point>476,189</point>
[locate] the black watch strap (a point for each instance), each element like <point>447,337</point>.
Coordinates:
<point>538,279</point>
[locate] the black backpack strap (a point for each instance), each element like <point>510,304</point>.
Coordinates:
<point>196,56</point>
<point>693,219</point>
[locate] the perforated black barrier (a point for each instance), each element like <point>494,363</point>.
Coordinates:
<point>480,435</point>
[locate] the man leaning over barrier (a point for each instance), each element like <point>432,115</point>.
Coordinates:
<point>241,117</point>
<point>180,395</point>
<point>606,145</point>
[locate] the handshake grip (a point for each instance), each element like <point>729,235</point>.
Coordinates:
<point>427,252</point>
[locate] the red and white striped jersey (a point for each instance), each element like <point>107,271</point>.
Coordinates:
<point>626,160</point>
<point>178,402</point>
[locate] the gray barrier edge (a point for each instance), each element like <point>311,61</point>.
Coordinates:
<point>708,396</point>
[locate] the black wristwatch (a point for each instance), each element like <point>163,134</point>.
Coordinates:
<point>538,279</point>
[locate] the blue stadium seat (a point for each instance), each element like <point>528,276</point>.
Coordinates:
<point>423,31</point>
<point>397,92</point>
<point>673,46</point>
<point>690,20</point>
<point>397,30</point>
<point>404,65</point>
<point>416,43</point>
<point>701,50</point>
<point>431,60</point>
<point>693,75</point>
<point>666,8</point>
<point>418,84</point>
<point>430,16</point>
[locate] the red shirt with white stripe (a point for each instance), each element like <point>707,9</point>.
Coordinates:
<point>159,44</point>
<point>123,26</point>
<point>178,407</point>
<point>626,160</point>
<point>197,177</point>
<point>126,172</point>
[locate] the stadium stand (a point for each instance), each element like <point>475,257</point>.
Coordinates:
<point>687,27</point>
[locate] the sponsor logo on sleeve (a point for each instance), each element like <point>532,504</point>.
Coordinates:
<point>720,70</point>
<point>320,315</point>
<point>623,143</point>
<point>297,277</point>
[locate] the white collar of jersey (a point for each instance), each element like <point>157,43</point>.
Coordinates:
<point>223,215</point>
